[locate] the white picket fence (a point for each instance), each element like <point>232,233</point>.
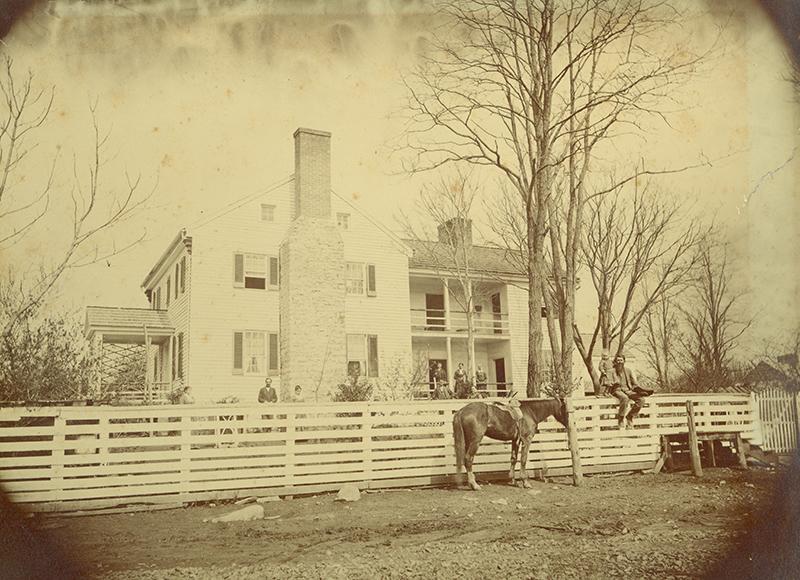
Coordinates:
<point>778,411</point>
<point>89,457</point>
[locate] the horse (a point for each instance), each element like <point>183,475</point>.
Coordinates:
<point>474,420</point>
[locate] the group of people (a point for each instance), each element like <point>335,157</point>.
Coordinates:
<point>268,394</point>
<point>463,389</point>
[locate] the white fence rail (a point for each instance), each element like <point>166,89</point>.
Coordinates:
<point>778,411</point>
<point>82,457</point>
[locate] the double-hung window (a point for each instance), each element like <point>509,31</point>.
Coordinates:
<point>361,279</point>
<point>255,352</point>
<point>362,355</point>
<point>257,271</point>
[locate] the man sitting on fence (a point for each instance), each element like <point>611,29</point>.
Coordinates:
<point>619,382</point>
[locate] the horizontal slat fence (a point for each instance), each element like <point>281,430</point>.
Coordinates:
<point>86,457</point>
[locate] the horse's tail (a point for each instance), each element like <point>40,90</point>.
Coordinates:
<point>458,440</point>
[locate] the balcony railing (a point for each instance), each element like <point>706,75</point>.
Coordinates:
<point>433,320</point>
<point>501,390</point>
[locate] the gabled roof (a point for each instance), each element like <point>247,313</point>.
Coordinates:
<point>120,320</point>
<point>180,240</point>
<point>429,255</point>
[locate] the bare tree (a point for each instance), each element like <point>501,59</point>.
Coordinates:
<point>662,342</point>
<point>448,247</point>
<point>528,88</point>
<point>94,208</point>
<point>638,250</point>
<point>714,326</point>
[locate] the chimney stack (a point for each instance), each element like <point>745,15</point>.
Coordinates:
<point>312,173</point>
<point>456,230</point>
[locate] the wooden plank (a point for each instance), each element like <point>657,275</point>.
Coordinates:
<point>693,450</point>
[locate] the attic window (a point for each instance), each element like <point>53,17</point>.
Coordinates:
<point>343,220</point>
<point>267,212</point>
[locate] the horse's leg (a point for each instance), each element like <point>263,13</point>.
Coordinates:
<point>472,449</point>
<point>523,460</point>
<point>514,450</point>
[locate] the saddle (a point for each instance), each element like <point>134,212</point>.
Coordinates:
<point>512,407</point>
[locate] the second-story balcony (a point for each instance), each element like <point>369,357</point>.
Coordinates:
<point>436,321</point>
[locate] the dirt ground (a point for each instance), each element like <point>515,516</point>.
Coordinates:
<point>631,526</point>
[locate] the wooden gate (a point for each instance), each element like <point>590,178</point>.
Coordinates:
<point>779,420</point>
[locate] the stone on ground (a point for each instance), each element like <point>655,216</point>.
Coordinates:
<point>348,492</point>
<point>245,514</point>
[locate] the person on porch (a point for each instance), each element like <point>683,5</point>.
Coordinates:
<point>480,379</point>
<point>460,382</point>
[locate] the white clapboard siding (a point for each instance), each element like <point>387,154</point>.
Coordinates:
<point>63,458</point>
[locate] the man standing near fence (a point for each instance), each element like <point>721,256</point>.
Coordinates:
<point>267,394</point>
<point>620,383</point>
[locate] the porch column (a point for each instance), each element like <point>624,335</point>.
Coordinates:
<point>147,396</point>
<point>97,376</point>
<point>170,374</point>
<point>446,286</point>
<point>449,359</point>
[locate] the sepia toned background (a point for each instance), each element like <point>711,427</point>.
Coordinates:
<point>201,99</point>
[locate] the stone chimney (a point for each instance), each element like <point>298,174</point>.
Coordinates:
<point>312,286</point>
<point>455,228</point>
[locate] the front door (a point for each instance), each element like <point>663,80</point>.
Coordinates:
<point>434,311</point>
<point>500,375</point>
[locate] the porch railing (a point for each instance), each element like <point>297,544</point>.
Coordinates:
<point>435,320</point>
<point>424,391</point>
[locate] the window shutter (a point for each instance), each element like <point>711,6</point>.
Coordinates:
<point>237,352</point>
<point>169,290</point>
<point>273,353</point>
<point>183,274</point>
<point>372,355</point>
<point>372,289</point>
<point>180,355</point>
<point>273,272</point>
<point>238,269</point>
<point>177,277</point>
<point>174,374</point>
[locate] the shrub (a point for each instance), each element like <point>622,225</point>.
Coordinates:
<point>354,388</point>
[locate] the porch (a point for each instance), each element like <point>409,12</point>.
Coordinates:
<point>135,346</point>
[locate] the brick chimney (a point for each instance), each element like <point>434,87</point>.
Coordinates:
<point>312,286</point>
<point>312,173</point>
<point>454,229</point>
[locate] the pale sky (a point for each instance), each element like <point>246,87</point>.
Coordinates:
<point>204,101</point>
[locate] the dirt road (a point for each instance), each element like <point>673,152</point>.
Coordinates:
<point>631,526</point>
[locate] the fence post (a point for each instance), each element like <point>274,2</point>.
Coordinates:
<point>57,465</point>
<point>572,440</point>
<point>291,417</point>
<point>366,434</point>
<point>697,468</point>
<point>185,457</point>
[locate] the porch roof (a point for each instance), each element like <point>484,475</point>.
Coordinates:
<point>431,255</point>
<point>128,325</point>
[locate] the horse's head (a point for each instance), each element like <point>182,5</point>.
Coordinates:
<point>561,415</point>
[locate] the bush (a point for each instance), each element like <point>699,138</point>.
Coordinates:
<point>354,388</point>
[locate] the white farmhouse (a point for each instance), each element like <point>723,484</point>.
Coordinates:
<point>300,286</point>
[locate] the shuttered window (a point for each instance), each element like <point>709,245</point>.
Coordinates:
<point>372,289</point>
<point>183,274</point>
<point>255,271</point>
<point>168,290</point>
<point>177,278</point>
<point>362,355</point>
<point>274,350</point>
<point>238,345</point>
<point>174,374</point>
<point>255,353</point>
<point>372,355</point>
